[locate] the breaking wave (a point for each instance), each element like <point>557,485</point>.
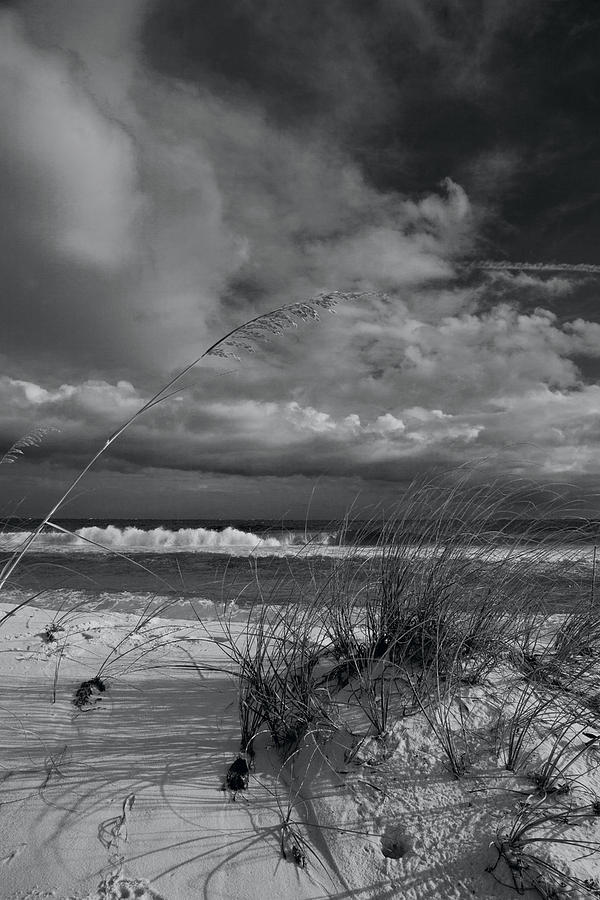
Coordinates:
<point>237,542</point>
<point>164,540</point>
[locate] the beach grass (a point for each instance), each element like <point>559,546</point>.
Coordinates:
<point>458,626</point>
<point>419,628</point>
<point>447,627</point>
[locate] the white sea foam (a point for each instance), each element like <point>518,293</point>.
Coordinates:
<point>164,540</point>
<point>69,602</point>
<point>235,542</point>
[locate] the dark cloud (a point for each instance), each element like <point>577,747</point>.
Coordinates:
<point>170,169</point>
<point>299,61</point>
<point>494,94</point>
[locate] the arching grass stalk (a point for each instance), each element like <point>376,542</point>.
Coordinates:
<point>242,338</point>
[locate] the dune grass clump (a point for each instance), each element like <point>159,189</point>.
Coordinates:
<point>454,603</point>
<point>525,709</point>
<point>455,587</point>
<point>438,592</point>
<point>278,687</point>
<point>569,741</point>
<point>575,655</point>
<point>527,851</point>
<point>577,639</point>
<point>454,590</point>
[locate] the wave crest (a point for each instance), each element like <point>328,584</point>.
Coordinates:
<point>163,540</point>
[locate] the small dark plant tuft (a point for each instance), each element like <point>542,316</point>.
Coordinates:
<point>293,845</point>
<point>87,690</point>
<point>237,777</point>
<point>545,785</point>
<point>48,635</point>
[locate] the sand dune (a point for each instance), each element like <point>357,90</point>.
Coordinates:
<point>123,797</point>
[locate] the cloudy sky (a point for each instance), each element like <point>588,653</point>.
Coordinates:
<point>171,168</point>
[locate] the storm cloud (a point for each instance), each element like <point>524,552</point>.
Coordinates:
<point>171,169</point>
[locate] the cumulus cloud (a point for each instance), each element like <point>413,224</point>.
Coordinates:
<point>79,414</point>
<point>556,430</point>
<point>93,395</point>
<point>158,198</point>
<point>185,210</point>
<point>469,357</point>
<point>303,439</point>
<point>528,392</point>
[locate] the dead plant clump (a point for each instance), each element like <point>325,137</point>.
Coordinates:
<point>293,845</point>
<point>237,777</point>
<point>48,635</point>
<point>88,692</point>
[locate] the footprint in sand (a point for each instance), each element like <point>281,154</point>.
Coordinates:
<point>127,889</point>
<point>6,860</point>
<point>395,844</point>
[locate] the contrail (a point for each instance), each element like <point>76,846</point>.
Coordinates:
<point>506,265</point>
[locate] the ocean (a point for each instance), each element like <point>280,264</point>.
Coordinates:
<point>190,565</point>
<point>124,564</point>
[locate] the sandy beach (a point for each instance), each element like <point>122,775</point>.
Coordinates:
<point>299,450</point>
<point>123,796</point>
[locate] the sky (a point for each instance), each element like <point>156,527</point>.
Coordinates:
<point>170,169</point>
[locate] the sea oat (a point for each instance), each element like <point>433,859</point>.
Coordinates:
<point>33,438</point>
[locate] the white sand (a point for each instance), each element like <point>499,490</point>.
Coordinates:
<point>131,786</point>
